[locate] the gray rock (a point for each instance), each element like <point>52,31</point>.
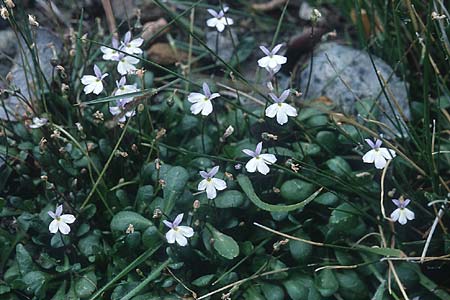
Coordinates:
<point>24,81</point>
<point>223,46</point>
<point>354,67</point>
<point>8,48</point>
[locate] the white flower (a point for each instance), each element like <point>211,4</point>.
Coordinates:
<point>120,108</point>
<point>132,46</point>
<point>123,89</point>
<point>402,214</point>
<point>202,102</point>
<point>259,161</point>
<point>211,184</point>
<point>280,109</point>
<point>60,221</point>
<point>219,20</point>
<point>32,21</point>
<point>94,84</point>
<point>126,64</point>
<point>111,53</point>
<point>178,233</point>
<point>272,62</point>
<point>378,155</point>
<point>38,122</point>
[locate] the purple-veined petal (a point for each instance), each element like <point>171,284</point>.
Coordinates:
<point>170,236</point>
<point>181,240</point>
<point>178,220</point>
<point>69,219</point>
<point>186,231</point>
<point>97,72</point>
<point>204,174</point>
<point>53,226</point>
<point>406,202</point>
<point>265,50</point>
<point>396,202</point>
<point>258,149</point>
<point>206,90</point>
<point>249,152</point>
<point>213,171</point>
<point>371,144</point>
<point>59,211</point>
<point>212,12</point>
<point>168,224</point>
<point>52,214</point>
<point>63,228</point>
<point>276,49</point>
<point>284,95</point>
<point>274,97</point>
<point>378,143</point>
<point>127,37</point>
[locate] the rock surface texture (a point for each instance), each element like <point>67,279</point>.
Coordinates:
<point>355,68</point>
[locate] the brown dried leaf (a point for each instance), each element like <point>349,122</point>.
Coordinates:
<point>164,54</point>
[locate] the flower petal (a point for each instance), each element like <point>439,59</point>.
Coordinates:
<point>186,231</point>
<point>395,214</point>
<point>249,152</point>
<point>268,158</point>
<point>250,166</point>
<point>53,227</point>
<point>272,110</point>
<point>262,167</point>
<point>168,224</point>
<point>181,240</point>
<point>380,161</point>
<point>170,236</point>
<point>196,108</point>
<point>69,219</point>
<point>282,118</point>
<point>409,214</point>
<point>63,228</point>
<point>210,191</point>
<point>178,220</point>
<point>196,97</point>
<point>264,62</point>
<point>219,184</point>
<point>207,108</point>
<point>369,157</point>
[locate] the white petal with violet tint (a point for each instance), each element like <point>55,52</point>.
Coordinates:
<point>214,95</point>
<point>380,161</point>
<point>115,110</point>
<point>219,184</point>
<point>178,219</point>
<point>387,153</point>
<point>273,71</point>
<point>282,117</point>
<point>272,110</point>
<point>229,21</point>
<point>167,223</point>
<point>220,26</point>
<point>202,185</point>
<point>196,97</point>
<point>402,217</point>
<point>88,79</point>
<point>369,157</point>
<point>264,62</point>
<point>409,214</point>
<point>249,152</point>
<point>210,191</point>
<point>273,63</point>
<point>63,228</point>
<point>250,166</point>
<point>262,167</point>
<point>207,108</point>
<point>211,22</point>
<point>69,219</point>
<point>281,60</point>
<point>98,87</point>
<point>53,227</point>
<point>170,236</point>
<point>196,108</point>
<point>181,240</point>
<point>268,158</point>
<point>186,231</point>
<point>289,110</point>
<point>395,215</point>
<point>137,42</point>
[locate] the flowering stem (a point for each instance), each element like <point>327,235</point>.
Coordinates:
<point>203,135</point>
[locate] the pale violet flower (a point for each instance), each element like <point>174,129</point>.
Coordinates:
<point>120,108</point>
<point>132,46</point>
<point>126,64</point>
<point>259,162</point>
<point>211,184</point>
<point>272,61</point>
<point>219,20</point>
<point>111,53</point>
<point>123,88</point>
<point>402,214</point>
<point>378,155</point>
<point>38,122</point>
<point>60,221</point>
<point>280,109</point>
<point>178,233</point>
<point>202,102</point>
<point>94,84</point>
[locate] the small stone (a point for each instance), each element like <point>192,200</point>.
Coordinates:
<point>355,68</point>
<point>221,43</point>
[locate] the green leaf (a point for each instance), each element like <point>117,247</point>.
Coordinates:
<point>225,245</point>
<point>296,190</point>
<point>229,199</point>
<point>326,283</point>
<point>344,218</point>
<point>24,260</point>
<point>272,291</point>
<point>203,280</point>
<point>123,219</point>
<point>86,285</point>
<point>300,251</point>
<point>151,236</point>
<point>176,179</point>
<point>327,198</point>
<point>144,194</point>
<point>247,187</point>
<point>339,166</point>
<point>34,281</point>
<point>381,251</point>
<point>351,287</point>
